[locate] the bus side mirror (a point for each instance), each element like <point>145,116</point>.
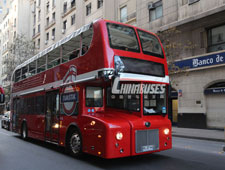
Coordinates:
<point>2,98</point>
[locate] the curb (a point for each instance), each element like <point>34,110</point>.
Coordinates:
<point>200,138</point>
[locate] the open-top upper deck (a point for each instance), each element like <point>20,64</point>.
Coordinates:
<point>102,47</point>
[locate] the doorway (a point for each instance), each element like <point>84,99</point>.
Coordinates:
<point>173,106</point>
<point>52,116</point>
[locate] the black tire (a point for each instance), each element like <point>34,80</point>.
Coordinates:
<point>74,143</point>
<point>24,131</point>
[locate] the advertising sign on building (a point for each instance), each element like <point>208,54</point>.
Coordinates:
<point>202,61</point>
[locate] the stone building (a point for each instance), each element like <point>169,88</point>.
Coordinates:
<point>15,21</point>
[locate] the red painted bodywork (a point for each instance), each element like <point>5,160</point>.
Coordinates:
<point>98,139</point>
<point>1,90</point>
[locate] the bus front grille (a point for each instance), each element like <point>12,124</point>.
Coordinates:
<point>147,140</point>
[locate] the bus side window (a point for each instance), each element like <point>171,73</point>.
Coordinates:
<point>24,72</point>
<point>94,97</point>
<point>18,75</point>
<point>70,49</point>
<point>41,64</point>
<point>54,58</point>
<point>86,40</point>
<point>32,68</point>
<point>40,105</point>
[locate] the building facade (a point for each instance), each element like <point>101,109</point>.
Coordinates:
<point>4,10</point>
<point>14,22</point>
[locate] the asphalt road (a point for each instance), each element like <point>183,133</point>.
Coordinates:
<point>187,154</point>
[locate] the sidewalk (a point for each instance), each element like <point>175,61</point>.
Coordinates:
<point>204,134</point>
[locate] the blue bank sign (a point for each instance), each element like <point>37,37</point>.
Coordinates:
<point>203,61</point>
<point>215,91</point>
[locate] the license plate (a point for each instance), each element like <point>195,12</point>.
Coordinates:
<point>147,148</point>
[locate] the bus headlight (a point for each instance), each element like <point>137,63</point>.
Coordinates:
<point>166,131</point>
<point>56,126</point>
<point>119,136</point>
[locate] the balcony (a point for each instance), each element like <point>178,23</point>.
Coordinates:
<point>67,11</point>
<point>50,24</point>
<point>37,34</point>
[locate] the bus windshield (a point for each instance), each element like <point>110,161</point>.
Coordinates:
<point>122,37</point>
<point>130,102</point>
<point>154,104</point>
<point>150,44</point>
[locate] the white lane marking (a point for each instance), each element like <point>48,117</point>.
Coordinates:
<point>5,134</point>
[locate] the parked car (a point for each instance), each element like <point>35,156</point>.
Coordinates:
<point>6,120</point>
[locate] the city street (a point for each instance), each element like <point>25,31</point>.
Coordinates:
<point>112,78</point>
<point>16,154</point>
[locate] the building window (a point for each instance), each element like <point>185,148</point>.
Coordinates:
<point>88,9</point>
<point>15,22</point>
<point>155,10</point>
<point>73,3</point>
<point>53,33</point>
<point>64,24</point>
<point>34,19</point>
<point>47,21</point>
<point>39,43</point>
<point>39,28</point>
<point>34,32</point>
<point>123,14</point>
<point>47,36</point>
<point>53,3</point>
<point>65,7</point>
<point>216,38</point>
<point>39,2</point>
<point>53,16</point>
<point>47,7</point>
<point>100,3</point>
<point>73,19</point>
<point>14,35</point>
<point>34,7</point>
<point>39,15</point>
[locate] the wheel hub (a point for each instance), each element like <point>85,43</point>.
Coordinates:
<point>75,143</point>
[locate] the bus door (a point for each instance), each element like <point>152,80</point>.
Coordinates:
<point>52,116</point>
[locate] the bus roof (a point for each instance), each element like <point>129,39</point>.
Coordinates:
<point>54,46</point>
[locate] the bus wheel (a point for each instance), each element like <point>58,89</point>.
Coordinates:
<point>24,131</point>
<point>74,143</point>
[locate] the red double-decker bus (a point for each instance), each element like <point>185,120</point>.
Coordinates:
<point>101,90</point>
